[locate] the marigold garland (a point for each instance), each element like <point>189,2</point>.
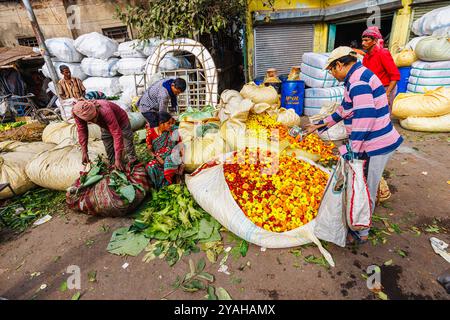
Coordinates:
<point>264,126</point>
<point>277,193</point>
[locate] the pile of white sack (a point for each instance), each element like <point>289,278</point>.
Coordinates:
<point>433,23</point>
<point>429,53</point>
<point>323,87</point>
<point>107,66</point>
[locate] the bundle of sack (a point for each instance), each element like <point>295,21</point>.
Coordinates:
<point>429,111</point>
<point>107,192</point>
<point>107,66</point>
<point>322,87</point>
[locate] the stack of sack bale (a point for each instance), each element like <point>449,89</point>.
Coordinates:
<point>323,94</point>
<point>100,63</point>
<point>109,67</point>
<point>429,112</point>
<point>63,52</point>
<point>322,87</point>
<point>431,50</point>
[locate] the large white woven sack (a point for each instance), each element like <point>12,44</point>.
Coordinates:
<point>209,188</point>
<point>109,86</point>
<point>170,62</point>
<point>312,71</point>
<point>435,22</point>
<point>413,42</point>
<point>75,69</point>
<point>433,49</point>
<point>63,49</point>
<point>12,171</point>
<point>260,94</point>
<point>316,98</point>
<point>100,68</point>
<point>138,49</point>
<point>130,66</point>
<point>427,124</point>
<point>137,120</point>
<point>58,168</point>
<point>30,147</point>
<point>96,45</point>
<point>14,157</point>
<point>59,132</point>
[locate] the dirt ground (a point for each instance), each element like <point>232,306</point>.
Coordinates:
<point>418,176</point>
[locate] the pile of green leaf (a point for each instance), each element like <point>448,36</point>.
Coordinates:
<point>117,180</point>
<point>11,125</point>
<point>192,114</point>
<point>177,224</point>
<point>37,202</point>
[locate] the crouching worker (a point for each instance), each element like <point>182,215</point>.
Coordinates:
<point>161,144</point>
<point>117,135</point>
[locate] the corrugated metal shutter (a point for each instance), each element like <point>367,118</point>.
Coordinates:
<point>421,10</point>
<point>281,47</point>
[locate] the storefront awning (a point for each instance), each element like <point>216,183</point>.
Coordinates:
<point>11,55</point>
<point>332,13</point>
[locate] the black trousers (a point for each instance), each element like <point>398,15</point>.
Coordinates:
<point>152,118</point>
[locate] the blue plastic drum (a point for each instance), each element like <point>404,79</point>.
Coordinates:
<point>293,95</point>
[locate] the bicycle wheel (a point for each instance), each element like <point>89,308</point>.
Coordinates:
<point>45,115</point>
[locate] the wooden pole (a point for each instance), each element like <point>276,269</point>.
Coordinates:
<point>43,48</point>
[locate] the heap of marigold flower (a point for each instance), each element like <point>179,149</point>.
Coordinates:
<point>264,126</point>
<point>277,193</point>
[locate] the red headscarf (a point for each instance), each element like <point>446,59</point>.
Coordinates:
<point>374,31</point>
<point>86,109</point>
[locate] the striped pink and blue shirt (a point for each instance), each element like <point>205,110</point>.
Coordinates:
<point>366,115</point>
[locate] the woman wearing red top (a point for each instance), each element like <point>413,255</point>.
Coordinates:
<point>380,62</point>
<point>161,142</point>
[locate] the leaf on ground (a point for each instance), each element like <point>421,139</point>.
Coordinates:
<point>193,286</point>
<point>206,276</point>
<point>396,228</point>
<point>127,243</point>
<point>382,296</point>
<point>92,276</point>
<point>76,296</point>
<point>211,295</point>
<point>191,266</point>
<point>205,229</point>
<point>401,253</point>
<point>63,286</point>
<point>416,231</point>
<point>222,294</point>
<point>200,265</point>
<point>388,263</point>
<point>319,261</point>
<point>433,229</point>
<point>243,248</point>
<point>296,252</point>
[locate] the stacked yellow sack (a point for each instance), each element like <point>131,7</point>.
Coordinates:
<point>427,112</point>
<point>14,157</point>
<point>58,168</point>
<point>58,132</point>
<point>405,58</point>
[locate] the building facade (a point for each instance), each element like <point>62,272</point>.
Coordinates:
<point>61,18</point>
<point>278,37</point>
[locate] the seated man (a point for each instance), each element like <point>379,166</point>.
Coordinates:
<point>68,86</point>
<point>116,130</point>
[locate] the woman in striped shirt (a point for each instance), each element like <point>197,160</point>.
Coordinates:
<point>366,117</point>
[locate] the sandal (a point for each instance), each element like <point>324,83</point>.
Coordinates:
<point>356,238</point>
